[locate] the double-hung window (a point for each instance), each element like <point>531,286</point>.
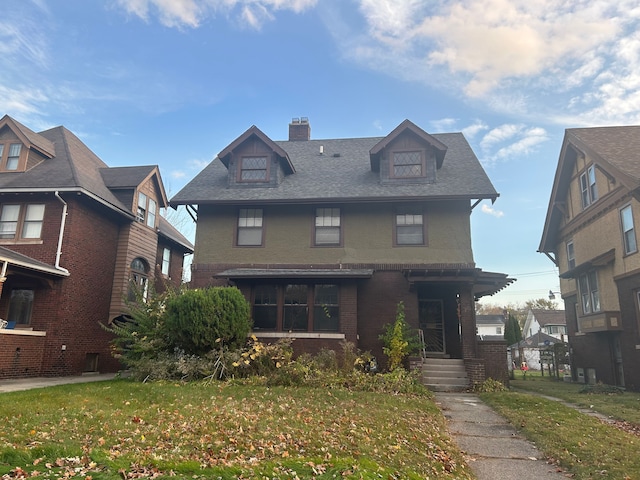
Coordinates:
<point>265,307</point>
<point>21,221</point>
<point>327,226</point>
<point>147,209</point>
<point>296,309</point>
<point>571,255</point>
<point>409,228</point>
<point>249,227</point>
<point>12,160</point>
<point>325,308</point>
<point>589,294</point>
<point>166,261</point>
<point>628,230</point>
<point>588,188</point>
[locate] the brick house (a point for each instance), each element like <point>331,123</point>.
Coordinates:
<point>326,237</point>
<point>589,233</point>
<point>75,234</point>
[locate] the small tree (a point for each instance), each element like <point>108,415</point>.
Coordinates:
<point>512,332</point>
<point>399,340</point>
<point>197,319</point>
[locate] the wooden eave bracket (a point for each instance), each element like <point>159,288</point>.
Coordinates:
<point>552,258</point>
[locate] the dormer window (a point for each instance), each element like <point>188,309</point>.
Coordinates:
<point>407,165</point>
<point>588,186</point>
<point>254,169</point>
<point>146,212</point>
<point>10,156</point>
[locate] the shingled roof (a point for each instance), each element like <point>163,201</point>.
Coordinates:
<point>341,171</point>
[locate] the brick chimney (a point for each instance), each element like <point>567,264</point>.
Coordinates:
<point>299,129</point>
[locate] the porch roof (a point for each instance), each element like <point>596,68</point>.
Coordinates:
<point>296,273</point>
<point>19,260</point>
<point>484,283</point>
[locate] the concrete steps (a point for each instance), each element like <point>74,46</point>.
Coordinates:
<point>444,374</point>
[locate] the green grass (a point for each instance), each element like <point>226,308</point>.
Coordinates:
<point>583,445</point>
<point>625,407</point>
<point>121,429</point>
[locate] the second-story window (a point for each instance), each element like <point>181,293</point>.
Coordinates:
<point>254,169</point>
<point>249,227</point>
<point>588,188</point>
<point>21,221</point>
<point>589,293</point>
<point>146,212</point>
<point>327,226</point>
<point>407,165</point>
<point>409,228</point>
<point>571,255</point>
<point>628,230</point>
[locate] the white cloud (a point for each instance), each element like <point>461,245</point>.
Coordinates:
<point>511,140</point>
<point>443,125</point>
<point>516,57</point>
<point>474,129</point>
<point>190,13</point>
<point>489,210</point>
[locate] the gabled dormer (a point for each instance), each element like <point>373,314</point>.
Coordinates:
<point>407,155</point>
<point>20,147</point>
<point>254,160</point>
<point>139,188</point>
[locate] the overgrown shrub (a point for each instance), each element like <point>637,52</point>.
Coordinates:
<point>196,319</point>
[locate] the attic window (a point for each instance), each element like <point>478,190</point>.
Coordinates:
<point>407,164</point>
<point>254,169</point>
<point>12,160</point>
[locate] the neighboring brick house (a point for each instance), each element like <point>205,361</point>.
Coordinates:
<point>589,233</point>
<point>74,235</point>
<point>326,237</point>
<point>550,322</point>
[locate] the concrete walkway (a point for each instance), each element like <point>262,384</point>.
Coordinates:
<point>15,385</point>
<point>492,447</point>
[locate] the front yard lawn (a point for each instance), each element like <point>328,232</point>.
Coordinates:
<point>122,429</point>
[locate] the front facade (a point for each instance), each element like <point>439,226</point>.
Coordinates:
<point>326,237</point>
<point>75,237</point>
<point>590,235</point>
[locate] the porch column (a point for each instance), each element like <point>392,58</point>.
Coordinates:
<point>468,322</point>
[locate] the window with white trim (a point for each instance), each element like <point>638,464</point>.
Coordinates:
<point>166,261</point>
<point>628,230</point>
<point>21,221</point>
<point>589,293</point>
<point>249,227</point>
<point>147,209</point>
<point>588,186</point>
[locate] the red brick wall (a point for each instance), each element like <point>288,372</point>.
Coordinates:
<point>20,355</point>
<point>494,354</point>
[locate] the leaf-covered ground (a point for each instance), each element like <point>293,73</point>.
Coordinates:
<point>123,429</point>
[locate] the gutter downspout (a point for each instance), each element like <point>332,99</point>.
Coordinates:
<point>62,224</point>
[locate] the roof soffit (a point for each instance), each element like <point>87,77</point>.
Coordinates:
<point>225,154</point>
<point>439,148</point>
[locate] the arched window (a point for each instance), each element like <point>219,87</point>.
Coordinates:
<point>139,280</point>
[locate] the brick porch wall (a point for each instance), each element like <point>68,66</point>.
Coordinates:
<point>494,354</point>
<point>20,355</point>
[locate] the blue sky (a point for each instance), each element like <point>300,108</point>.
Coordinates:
<point>173,82</point>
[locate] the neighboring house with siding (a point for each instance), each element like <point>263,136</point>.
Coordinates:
<point>550,322</point>
<point>75,235</point>
<point>326,237</point>
<point>490,327</point>
<point>590,235</point>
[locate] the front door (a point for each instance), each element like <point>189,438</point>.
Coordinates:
<point>431,319</point>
